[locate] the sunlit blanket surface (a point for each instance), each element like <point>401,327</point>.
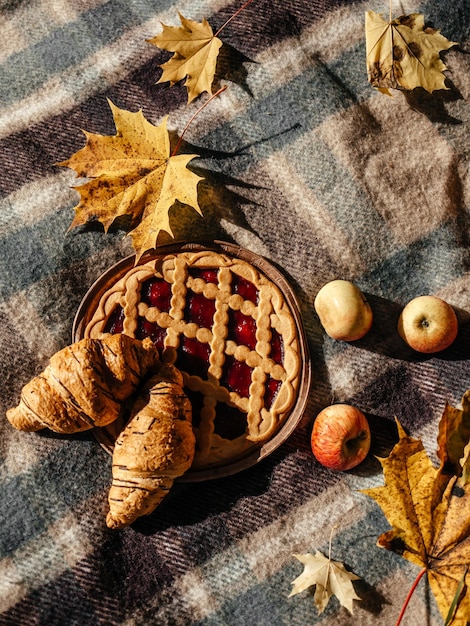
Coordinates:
<point>305,164</point>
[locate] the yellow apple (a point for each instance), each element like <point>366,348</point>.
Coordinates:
<point>428,324</point>
<point>340,437</point>
<point>343,310</point>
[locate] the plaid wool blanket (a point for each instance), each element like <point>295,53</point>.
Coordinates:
<point>305,164</point>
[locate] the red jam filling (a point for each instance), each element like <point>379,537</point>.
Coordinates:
<point>245,289</point>
<point>152,330</point>
<point>277,347</point>
<point>193,357</point>
<point>115,323</point>
<point>270,392</point>
<point>200,310</point>
<point>237,376</point>
<point>208,275</point>
<point>242,329</point>
<point>156,292</point>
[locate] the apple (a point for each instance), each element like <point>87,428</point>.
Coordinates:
<point>428,324</point>
<point>340,437</point>
<point>343,310</point>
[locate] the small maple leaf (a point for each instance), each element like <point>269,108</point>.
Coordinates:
<point>195,50</point>
<point>132,173</point>
<point>403,54</point>
<point>429,508</point>
<point>329,577</point>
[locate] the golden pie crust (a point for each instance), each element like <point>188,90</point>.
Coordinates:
<point>268,314</point>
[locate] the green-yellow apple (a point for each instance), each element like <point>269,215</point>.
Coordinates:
<point>428,324</point>
<point>340,437</point>
<point>343,310</point>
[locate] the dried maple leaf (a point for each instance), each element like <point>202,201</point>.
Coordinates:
<point>453,439</point>
<point>132,173</point>
<point>429,508</point>
<point>329,577</point>
<point>403,54</point>
<point>195,50</point>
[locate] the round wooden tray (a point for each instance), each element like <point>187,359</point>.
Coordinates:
<point>106,436</point>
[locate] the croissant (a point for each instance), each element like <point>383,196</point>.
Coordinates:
<point>155,447</point>
<point>85,384</point>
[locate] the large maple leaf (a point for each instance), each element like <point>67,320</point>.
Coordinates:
<point>404,54</point>
<point>133,174</point>
<point>428,508</point>
<point>195,50</point>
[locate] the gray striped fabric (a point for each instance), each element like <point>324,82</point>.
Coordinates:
<point>306,165</point>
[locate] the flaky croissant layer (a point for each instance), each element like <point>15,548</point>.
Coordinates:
<point>155,447</point>
<point>85,384</point>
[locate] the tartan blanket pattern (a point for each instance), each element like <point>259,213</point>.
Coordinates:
<point>305,164</point>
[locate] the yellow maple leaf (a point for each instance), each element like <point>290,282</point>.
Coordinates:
<point>195,50</point>
<point>133,174</point>
<point>429,509</point>
<point>402,54</point>
<point>329,577</point>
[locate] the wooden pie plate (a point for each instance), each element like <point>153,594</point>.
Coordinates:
<point>107,435</point>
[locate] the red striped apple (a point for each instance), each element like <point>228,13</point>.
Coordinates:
<point>343,310</point>
<point>428,324</point>
<point>340,437</point>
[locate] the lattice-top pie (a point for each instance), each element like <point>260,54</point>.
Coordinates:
<point>227,327</point>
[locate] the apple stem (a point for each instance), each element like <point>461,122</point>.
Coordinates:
<point>410,593</point>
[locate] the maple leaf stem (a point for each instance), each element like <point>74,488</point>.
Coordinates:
<point>233,16</point>
<point>333,528</point>
<point>194,116</point>
<point>410,593</point>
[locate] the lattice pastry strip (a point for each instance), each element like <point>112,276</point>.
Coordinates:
<point>238,319</point>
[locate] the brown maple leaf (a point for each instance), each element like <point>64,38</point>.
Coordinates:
<point>453,437</point>
<point>403,54</point>
<point>429,509</point>
<point>133,174</point>
<point>195,48</point>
